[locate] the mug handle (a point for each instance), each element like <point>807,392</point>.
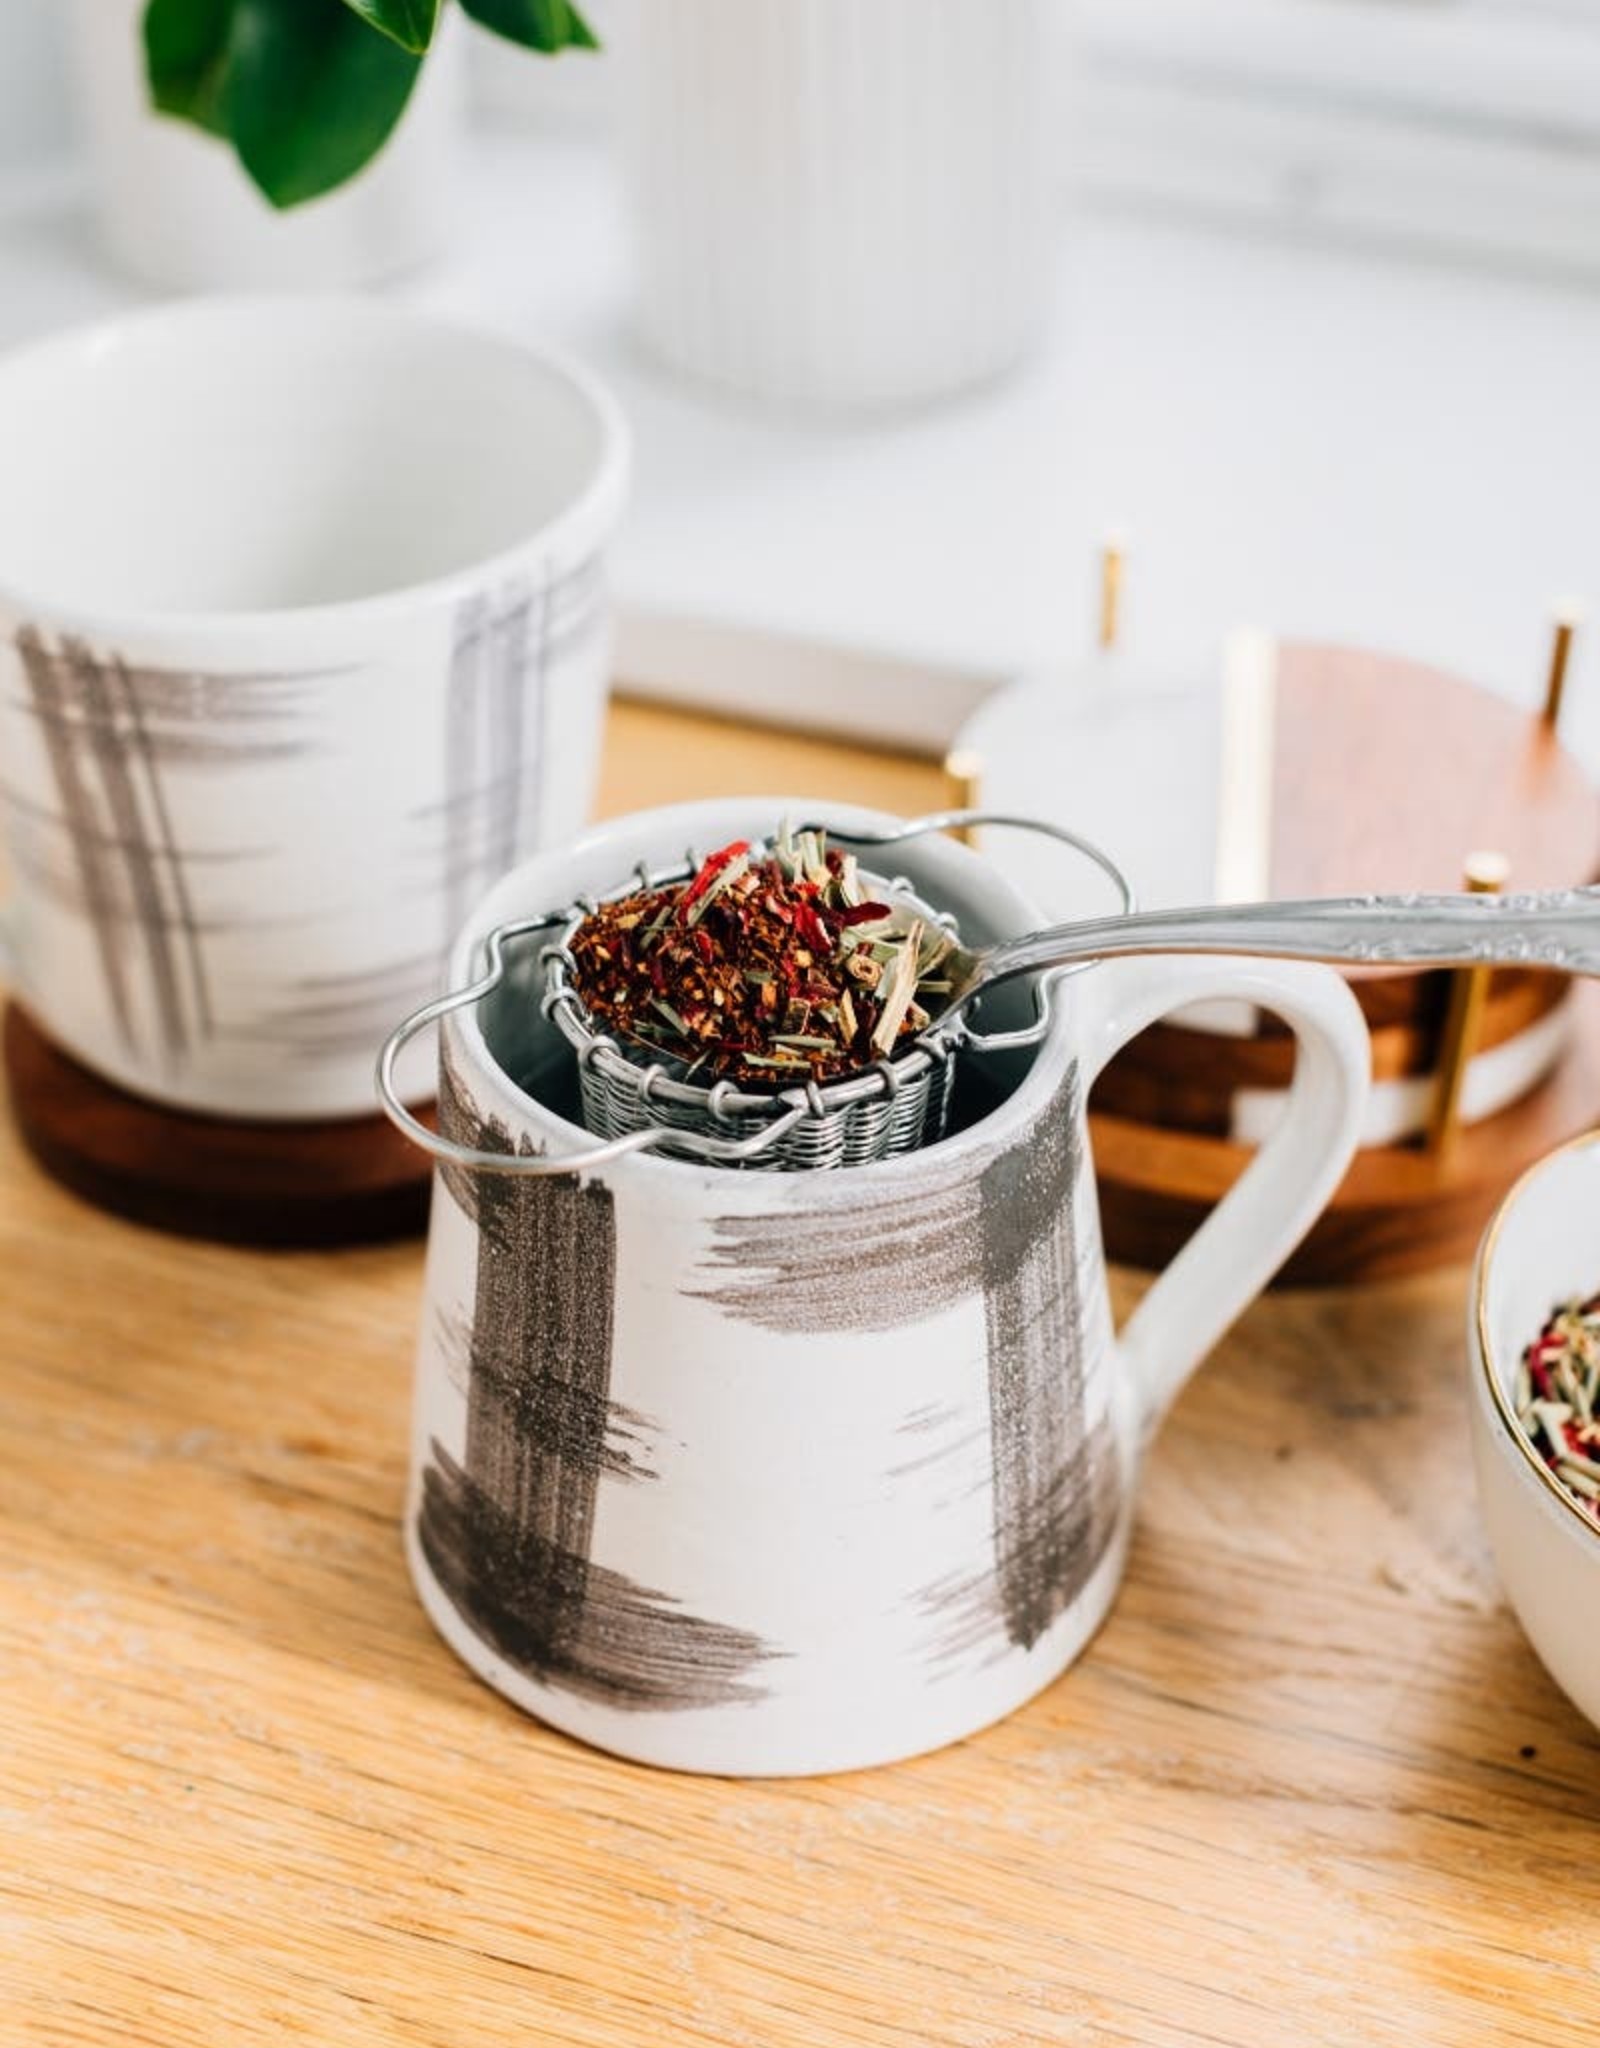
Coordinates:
<point>1262,1218</point>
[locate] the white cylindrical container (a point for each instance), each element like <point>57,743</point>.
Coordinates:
<point>837,203</point>
<point>174,207</point>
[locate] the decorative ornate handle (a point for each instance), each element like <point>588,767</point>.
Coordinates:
<point>1558,929</point>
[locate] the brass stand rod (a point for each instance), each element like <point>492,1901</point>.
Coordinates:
<point>1567,622</point>
<point>963,775</point>
<point>1113,556</point>
<point>1483,875</point>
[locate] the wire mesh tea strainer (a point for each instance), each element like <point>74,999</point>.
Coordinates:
<point>863,1118</point>
<point>632,1102</point>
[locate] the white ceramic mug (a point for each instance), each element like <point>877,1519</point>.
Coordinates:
<point>792,1472</point>
<point>304,638</point>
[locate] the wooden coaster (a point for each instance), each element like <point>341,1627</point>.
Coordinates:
<point>348,1181</point>
<point>1399,1209</point>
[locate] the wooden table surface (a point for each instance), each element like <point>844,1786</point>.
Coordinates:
<point>1309,1784</point>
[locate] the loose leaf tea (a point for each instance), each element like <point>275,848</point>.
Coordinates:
<point>1558,1383</point>
<point>769,966</point>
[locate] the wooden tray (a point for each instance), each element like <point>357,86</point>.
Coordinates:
<point>1309,1783</point>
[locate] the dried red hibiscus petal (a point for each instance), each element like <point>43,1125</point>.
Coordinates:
<point>710,868</point>
<point>769,966</point>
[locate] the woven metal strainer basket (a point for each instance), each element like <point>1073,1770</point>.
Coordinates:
<point>632,1101</point>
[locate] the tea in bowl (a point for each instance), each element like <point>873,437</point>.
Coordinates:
<point>1532,1395</point>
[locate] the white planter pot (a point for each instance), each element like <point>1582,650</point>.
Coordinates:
<point>837,203</point>
<point>174,207</point>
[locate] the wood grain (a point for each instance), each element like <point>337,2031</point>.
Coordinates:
<point>1399,1209</point>
<point>1389,773</point>
<point>1308,1785</point>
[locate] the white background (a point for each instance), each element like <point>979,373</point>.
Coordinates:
<point>1325,340</point>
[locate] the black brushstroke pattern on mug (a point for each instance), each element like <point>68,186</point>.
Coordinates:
<point>508,1531</point>
<point>831,1260</point>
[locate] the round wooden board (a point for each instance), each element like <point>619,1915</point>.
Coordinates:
<point>348,1181</point>
<point>1386,775</point>
<point>1398,1210</point>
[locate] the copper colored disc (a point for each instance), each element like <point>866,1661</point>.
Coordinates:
<point>1389,773</point>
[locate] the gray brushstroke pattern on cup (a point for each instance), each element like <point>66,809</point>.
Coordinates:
<point>109,729</point>
<point>109,852</point>
<point>494,698</point>
<point>497,726</point>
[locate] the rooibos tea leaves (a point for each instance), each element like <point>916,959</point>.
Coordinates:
<point>769,966</point>
<point>1558,1383</point>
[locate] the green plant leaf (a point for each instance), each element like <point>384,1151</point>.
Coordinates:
<point>185,54</point>
<point>410,23</point>
<point>548,25</point>
<point>311,94</point>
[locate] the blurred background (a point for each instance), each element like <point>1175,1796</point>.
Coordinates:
<point>1318,325</point>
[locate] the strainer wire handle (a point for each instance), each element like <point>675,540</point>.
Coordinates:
<point>702,1145</point>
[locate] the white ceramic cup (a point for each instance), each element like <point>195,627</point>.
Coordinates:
<point>304,639</point>
<point>1541,1249</point>
<point>791,1472</point>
